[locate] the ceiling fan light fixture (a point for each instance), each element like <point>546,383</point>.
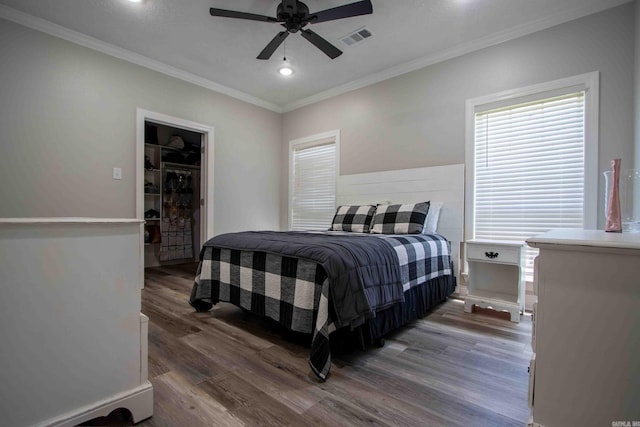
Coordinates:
<point>285,70</point>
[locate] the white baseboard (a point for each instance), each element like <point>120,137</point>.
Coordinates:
<point>139,401</point>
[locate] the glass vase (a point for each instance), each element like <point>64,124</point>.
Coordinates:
<point>629,198</point>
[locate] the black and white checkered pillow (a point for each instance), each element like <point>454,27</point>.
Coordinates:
<point>353,218</point>
<point>400,219</point>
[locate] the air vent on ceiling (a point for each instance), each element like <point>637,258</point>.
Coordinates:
<point>356,36</point>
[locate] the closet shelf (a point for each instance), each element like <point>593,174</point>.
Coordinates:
<point>180,150</point>
<point>179,166</point>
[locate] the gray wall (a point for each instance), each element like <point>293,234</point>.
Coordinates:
<point>67,117</point>
<point>417,119</point>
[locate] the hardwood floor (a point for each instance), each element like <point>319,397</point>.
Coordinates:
<point>230,369</point>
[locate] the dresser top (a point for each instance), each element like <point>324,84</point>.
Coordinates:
<point>591,238</point>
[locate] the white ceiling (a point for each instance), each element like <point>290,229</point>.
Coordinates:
<point>182,39</point>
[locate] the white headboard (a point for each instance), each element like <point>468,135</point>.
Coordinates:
<point>438,183</point>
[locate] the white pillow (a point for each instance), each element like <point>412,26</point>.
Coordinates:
<point>431,224</point>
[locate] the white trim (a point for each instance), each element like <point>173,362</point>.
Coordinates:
<point>588,82</point>
<point>206,171</point>
<point>76,37</point>
<point>144,347</point>
<point>444,55</point>
<point>70,220</point>
<point>138,400</point>
<point>592,145</point>
<point>332,134</point>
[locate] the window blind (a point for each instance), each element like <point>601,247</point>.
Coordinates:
<point>313,199</point>
<point>529,169</point>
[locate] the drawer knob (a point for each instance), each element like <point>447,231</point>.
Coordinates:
<point>491,255</point>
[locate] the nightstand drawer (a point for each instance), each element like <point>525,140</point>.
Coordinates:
<point>493,253</point>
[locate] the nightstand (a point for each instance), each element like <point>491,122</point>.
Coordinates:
<point>496,276</point>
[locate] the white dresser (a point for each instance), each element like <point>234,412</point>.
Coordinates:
<point>586,339</point>
<point>73,343</point>
<point>496,276</point>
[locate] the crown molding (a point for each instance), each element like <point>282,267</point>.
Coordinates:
<point>59,31</point>
<point>72,36</point>
<point>462,49</point>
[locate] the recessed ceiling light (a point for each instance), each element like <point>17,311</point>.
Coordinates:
<point>136,1</point>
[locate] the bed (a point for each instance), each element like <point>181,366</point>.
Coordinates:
<point>367,274</point>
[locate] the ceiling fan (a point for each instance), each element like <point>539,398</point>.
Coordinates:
<point>294,15</point>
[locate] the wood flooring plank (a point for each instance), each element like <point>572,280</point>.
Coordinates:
<point>502,370</point>
<point>502,354</point>
<point>497,394</point>
<point>478,388</point>
<point>171,323</point>
<point>292,386</point>
<point>274,333</point>
<point>156,366</point>
<point>241,336</point>
<point>335,412</point>
<point>249,403</point>
<point>388,407</point>
<point>174,283</point>
<point>463,350</point>
<point>455,408</point>
<point>463,332</point>
<point>173,354</point>
<point>170,301</point>
<point>227,368</point>
<point>180,403</point>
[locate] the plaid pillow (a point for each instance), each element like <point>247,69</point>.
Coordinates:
<point>353,218</point>
<point>400,219</point>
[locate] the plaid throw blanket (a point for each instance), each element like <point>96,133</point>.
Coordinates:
<point>297,292</point>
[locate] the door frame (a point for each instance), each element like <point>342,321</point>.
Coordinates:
<point>206,173</point>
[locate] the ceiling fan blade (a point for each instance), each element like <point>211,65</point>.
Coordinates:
<point>240,15</point>
<point>273,45</point>
<point>348,10</point>
<point>330,50</point>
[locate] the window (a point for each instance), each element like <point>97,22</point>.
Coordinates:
<point>531,163</point>
<point>313,172</point>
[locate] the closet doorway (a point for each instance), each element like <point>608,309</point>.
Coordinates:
<point>174,188</point>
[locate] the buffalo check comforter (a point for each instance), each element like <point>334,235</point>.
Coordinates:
<point>316,282</point>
